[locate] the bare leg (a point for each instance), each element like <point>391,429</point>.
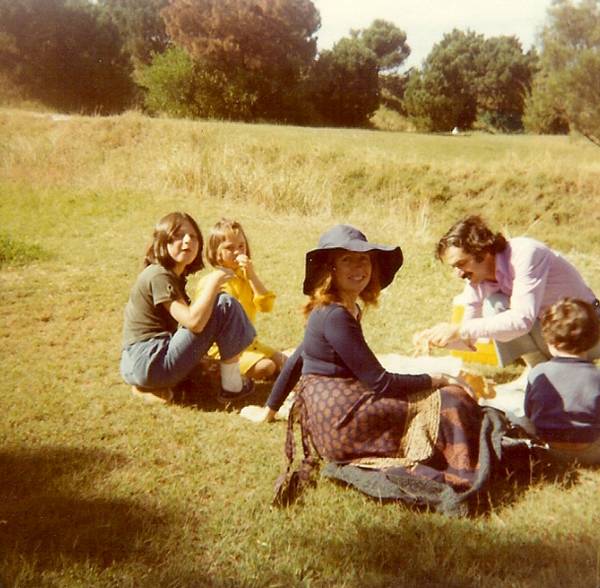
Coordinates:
<point>263,369</point>
<point>154,396</point>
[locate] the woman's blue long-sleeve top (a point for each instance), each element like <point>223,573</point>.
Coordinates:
<point>334,345</point>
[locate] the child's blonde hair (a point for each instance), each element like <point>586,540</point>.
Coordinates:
<point>218,234</point>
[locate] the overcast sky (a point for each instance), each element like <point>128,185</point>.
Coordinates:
<point>426,21</point>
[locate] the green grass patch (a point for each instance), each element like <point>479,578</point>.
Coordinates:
<point>17,253</point>
<point>98,490</point>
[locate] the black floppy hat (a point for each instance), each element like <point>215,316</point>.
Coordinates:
<point>347,238</point>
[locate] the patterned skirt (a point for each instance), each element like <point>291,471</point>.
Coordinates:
<point>432,434</point>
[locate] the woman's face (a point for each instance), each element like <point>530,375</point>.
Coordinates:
<point>351,272</point>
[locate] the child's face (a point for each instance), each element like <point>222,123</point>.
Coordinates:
<point>183,246</point>
<point>230,249</point>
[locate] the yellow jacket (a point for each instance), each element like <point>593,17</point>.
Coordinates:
<point>239,287</point>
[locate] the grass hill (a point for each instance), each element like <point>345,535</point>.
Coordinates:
<point>98,490</point>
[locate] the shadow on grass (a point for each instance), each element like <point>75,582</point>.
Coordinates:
<point>441,552</point>
<point>200,392</point>
<point>511,482</point>
<point>47,522</point>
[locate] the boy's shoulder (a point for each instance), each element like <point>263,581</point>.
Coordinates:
<point>561,364</point>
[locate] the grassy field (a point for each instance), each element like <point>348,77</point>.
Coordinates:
<point>99,490</point>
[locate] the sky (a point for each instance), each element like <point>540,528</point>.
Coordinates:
<point>426,21</point>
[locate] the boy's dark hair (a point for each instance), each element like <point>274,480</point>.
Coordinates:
<point>164,232</point>
<point>218,234</point>
<point>473,236</point>
<point>571,325</point>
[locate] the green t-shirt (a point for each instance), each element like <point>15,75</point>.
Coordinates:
<point>145,315</point>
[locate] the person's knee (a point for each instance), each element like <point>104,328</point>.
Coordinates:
<point>264,369</point>
<point>279,359</point>
<point>225,302</point>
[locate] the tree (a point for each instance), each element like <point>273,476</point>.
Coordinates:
<point>387,42</point>
<point>141,26</point>
<point>263,48</point>
<point>467,77</point>
<point>170,81</point>
<point>345,84</point>
<point>504,82</point>
<point>570,65</point>
<point>544,113</point>
<point>444,93</point>
<point>181,87</point>
<point>392,87</point>
<point>63,54</point>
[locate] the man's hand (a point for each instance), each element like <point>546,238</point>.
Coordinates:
<point>439,335</point>
<point>443,333</point>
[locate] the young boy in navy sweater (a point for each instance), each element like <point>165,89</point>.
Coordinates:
<point>562,398</point>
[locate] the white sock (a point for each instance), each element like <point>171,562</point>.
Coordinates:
<point>231,378</point>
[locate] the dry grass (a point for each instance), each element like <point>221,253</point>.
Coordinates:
<point>98,490</point>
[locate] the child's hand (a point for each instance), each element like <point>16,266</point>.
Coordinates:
<point>245,263</point>
<point>220,275</point>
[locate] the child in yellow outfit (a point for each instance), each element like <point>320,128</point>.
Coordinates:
<point>228,248</point>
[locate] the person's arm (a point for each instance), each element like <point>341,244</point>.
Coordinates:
<point>195,316</point>
<point>287,379</point>
<point>531,266</point>
<point>263,298</point>
<point>344,334</point>
<point>448,334</point>
<point>441,335</point>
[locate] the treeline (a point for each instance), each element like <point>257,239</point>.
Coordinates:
<point>257,60</point>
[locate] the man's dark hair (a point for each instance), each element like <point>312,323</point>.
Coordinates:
<point>473,236</point>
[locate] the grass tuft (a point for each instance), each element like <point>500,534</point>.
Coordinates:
<point>16,253</point>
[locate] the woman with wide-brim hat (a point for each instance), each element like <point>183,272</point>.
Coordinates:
<point>348,405</point>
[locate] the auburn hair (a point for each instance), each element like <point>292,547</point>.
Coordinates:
<point>325,292</point>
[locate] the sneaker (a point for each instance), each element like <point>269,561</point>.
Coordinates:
<point>226,396</point>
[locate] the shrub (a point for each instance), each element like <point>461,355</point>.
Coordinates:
<point>181,87</point>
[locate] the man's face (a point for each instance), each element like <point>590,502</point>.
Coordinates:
<point>466,267</point>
